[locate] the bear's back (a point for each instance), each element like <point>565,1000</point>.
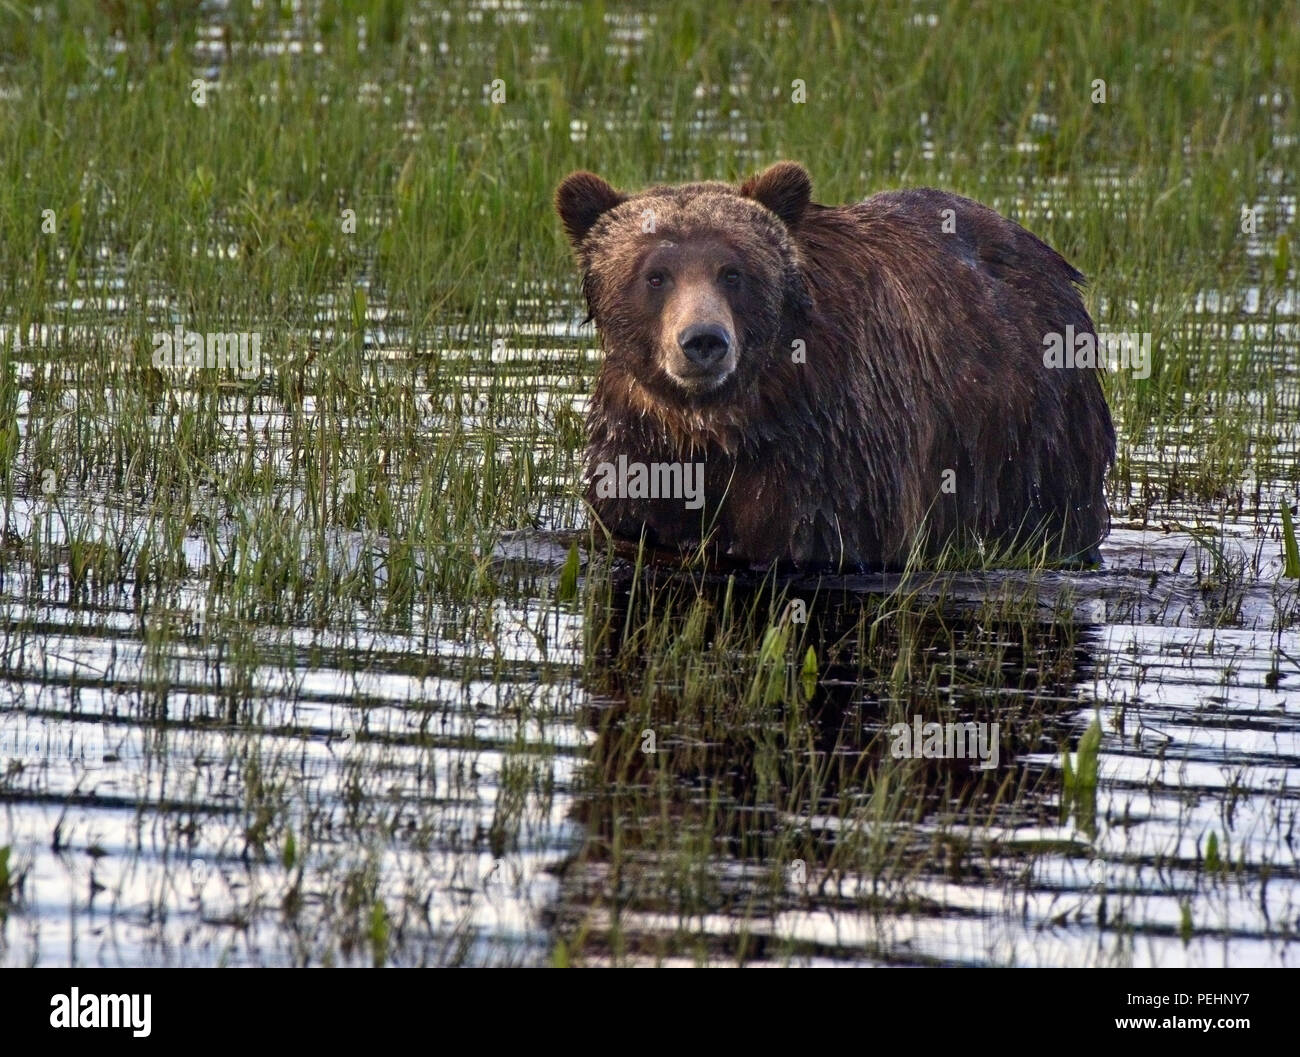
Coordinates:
<point>941,306</point>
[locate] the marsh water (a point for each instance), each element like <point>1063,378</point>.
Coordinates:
<point>465,780</point>
<point>465,760</point>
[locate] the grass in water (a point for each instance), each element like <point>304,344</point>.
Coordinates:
<point>347,725</point>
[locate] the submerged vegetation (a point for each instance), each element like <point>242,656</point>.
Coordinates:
<point>347,678</point>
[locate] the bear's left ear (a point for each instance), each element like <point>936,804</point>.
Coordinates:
<point>581,200</point>
<point>785,188</point>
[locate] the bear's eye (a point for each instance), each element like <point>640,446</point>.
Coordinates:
<point>655,280</point>
<point>731,276</point>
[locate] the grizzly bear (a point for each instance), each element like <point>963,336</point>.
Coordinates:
<point>834,387</point>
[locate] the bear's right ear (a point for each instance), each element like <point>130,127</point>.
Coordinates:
<point>581,200</point>
<point>785,188</point>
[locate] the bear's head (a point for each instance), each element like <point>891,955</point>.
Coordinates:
<point>691,287</point>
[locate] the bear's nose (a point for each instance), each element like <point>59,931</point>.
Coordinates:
<point>705,344</point>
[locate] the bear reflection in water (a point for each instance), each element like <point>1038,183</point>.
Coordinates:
<point>712,774</point>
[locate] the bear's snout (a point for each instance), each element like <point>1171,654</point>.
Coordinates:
<point>699,344</point>
<point>705,344</point>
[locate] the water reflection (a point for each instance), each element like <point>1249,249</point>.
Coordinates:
<point>719,826</point>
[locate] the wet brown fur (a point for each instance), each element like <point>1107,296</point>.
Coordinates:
<point>924,353</point>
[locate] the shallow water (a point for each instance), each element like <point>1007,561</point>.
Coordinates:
<point>1201,737</point>
<point>449,776</point>
<point>178,792</point>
